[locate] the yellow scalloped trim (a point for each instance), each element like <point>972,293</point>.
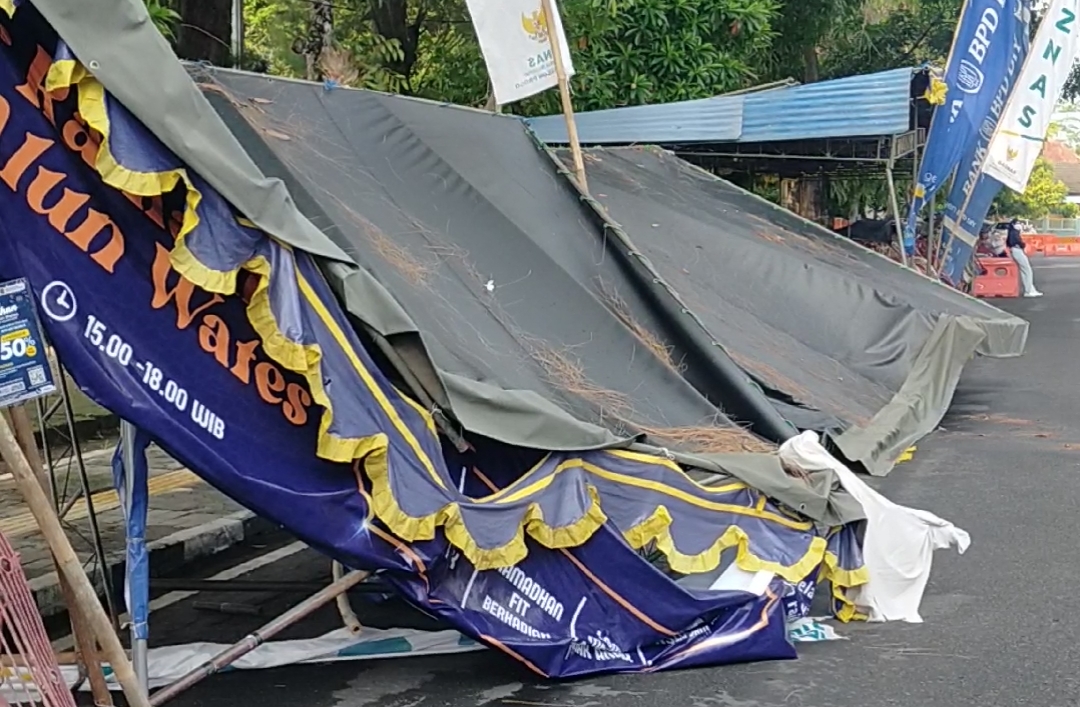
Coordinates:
<point>8,6</point>
<point>841,580</point>
<point>91,97</point>
<point>412,529</point>
<point>294,356</point>
<point>657,527</point>
<point>64,73</point>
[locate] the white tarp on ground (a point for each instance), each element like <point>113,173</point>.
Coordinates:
<point>899,544</point>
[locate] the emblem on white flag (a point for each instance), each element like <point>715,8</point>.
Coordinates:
<point>515,38</point>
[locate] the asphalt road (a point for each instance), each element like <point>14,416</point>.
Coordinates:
<point>1001,624</point>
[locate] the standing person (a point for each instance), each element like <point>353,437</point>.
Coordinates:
<point>1015,243</point>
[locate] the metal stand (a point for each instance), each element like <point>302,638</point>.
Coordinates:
<point>894,207</point>
<point>56,460</point>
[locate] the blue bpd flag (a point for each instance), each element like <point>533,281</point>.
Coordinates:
<point>973,192</point>
<point>983,51</point>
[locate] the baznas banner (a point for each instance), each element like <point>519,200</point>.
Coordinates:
<point>515,39</point>
<point>978,63</point>
<point>972,191</point>
<point>230,351</point>
<point>1022,130</point>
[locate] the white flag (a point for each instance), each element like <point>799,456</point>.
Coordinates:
<point>1022,129</point>
<point>514,38</point>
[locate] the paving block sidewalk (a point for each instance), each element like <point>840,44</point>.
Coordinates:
<point>187,520</point>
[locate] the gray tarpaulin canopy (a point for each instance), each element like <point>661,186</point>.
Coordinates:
<point>536,317</point>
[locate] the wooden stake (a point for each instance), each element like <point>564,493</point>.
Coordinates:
<point>80,628</point>
<point>84,598</point>
<point>564,94</point>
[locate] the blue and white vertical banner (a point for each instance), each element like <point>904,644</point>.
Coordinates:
<point>136,507</point>
<point>983,49</point>
<point>972,191</point>
<point>1021,132</point>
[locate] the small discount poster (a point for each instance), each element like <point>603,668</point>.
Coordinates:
<point>25,372</point>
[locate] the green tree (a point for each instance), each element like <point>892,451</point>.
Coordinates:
<point>854,36</point>
<point>910,35</point>
<point>631,52</point>
<point>626,52</point>
<point>1045,195</point>
<point>278,35</point>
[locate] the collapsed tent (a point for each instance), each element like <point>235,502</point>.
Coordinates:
<point>709,303</point>
<point>492,467</point>
<point>229,349</point>
<point>861,347</point>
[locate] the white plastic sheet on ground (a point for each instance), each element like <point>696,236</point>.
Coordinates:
<point>899,544</point>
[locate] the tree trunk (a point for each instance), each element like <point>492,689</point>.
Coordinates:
<point>811,193</point>
<point>804,196</point>
<point>205,31</point>
<point>391,20</point>
<point>812,71</point>
<point>320,37</point>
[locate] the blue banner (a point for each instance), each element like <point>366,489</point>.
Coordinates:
<point>983,49</point>
<point>973,192</point>
<point>230,351</point>
<point>137,577</point>
<point>25,372</point>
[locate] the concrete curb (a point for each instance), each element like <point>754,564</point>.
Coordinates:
<point>167,555</point>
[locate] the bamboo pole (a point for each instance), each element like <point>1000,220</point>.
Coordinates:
<point>86,647</point>
<point>253,640</point>
<point>564,94</point>
<point>84,597</point>
<point>895,208</point>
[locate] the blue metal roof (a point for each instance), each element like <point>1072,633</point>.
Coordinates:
<point>872,104</point>
<point>717,119</point>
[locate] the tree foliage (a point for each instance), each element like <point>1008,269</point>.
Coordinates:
<point>1045,195</point>
<point>277,32</point>
<point>626,52</point>
<point>164,17</point>
<point>910,34</point>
